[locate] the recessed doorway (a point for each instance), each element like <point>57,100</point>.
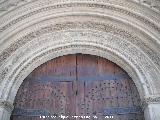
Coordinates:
<point>78,85</point>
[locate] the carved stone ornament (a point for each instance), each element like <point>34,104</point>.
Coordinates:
<point>58,43</point>
<point>8,29</point>
<point>6,105</point>
<point>150,100</point>
<point>80,25</point>
<point>5,5</point>
<point>33,32</point>
<point>87,5</point>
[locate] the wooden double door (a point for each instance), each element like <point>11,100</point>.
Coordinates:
<point>75,87</point>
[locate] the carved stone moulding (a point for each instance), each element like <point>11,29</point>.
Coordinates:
<point>147,45</point>
<point>6,105</point>
<point>120,51</point>
<point>108,28</point>
<point>88,41</point>
<point>24,70</point>
<point>5,5</point>
<point>88,6</point>
<point>134,48</point>
<point>151,52</point>
<point>12,18</point>
<point>150,100</point>
<point>57,27</point>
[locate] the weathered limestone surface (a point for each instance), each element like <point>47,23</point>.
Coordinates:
<point>152,111</point>
<point>126,32</point>
<point>5,110</point>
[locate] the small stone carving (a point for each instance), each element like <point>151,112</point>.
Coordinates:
<point>7,105</point>
<point>153,4</point>
<point>5,5</point>
<point>150,100</point>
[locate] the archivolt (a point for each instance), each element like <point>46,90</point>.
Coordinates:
<point>132,45</point>
<point>54,44</point>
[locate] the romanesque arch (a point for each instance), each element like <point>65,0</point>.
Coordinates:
<point>124,32</point>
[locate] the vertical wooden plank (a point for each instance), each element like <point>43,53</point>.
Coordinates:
<point>86,68</point>
<point>80,99</point>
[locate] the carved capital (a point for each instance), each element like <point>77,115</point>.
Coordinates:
<point>6,105</point>
<point>151,100</point>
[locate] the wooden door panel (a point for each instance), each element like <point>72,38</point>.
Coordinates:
<point>80,99</point>
<point>78,85</point>
<point>58,69</point>
<point>56,98</point>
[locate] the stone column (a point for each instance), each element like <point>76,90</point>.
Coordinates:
<point>152,108</point>
<point>5,110</point>
<point>152,112</point>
